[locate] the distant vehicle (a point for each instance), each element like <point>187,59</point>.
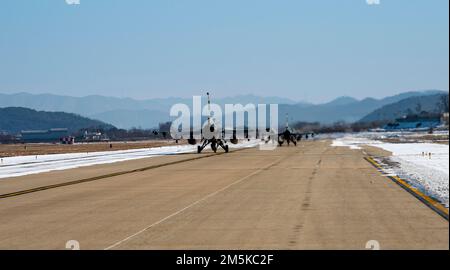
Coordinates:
<point>94,136</point>
<point>67,140</point>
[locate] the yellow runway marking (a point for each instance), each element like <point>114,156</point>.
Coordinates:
<point>430,202</point>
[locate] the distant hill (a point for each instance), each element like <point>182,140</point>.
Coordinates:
<point>122,112</point>
<point>95,104</point>
<point>408,106</point>
<point>245,99</point>
<point>133,118</point>
<point>128,113</point>
<point>342,101</point>
<point>16,119</point>
<point>344,108</point>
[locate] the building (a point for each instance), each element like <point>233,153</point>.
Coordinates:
<point>414,122</point>
<point>50,135</point>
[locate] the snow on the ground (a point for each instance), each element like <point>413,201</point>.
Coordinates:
<point>352,142</point>
<point>427,173</point>
<point>25,165</point>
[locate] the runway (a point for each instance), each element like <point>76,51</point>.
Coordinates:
<point>312,196</point>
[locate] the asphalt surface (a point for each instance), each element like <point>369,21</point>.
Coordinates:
<point>312,196</point>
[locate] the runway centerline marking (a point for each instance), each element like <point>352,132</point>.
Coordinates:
<point>192,204</point>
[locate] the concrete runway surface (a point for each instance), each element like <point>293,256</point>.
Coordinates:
<point>312,196</point>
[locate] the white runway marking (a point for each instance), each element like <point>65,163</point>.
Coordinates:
<point>190,205</point>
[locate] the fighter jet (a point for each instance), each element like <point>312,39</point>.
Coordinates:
<point>288,136</point>
<point>211,135</point>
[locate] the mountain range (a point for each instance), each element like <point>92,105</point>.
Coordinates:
<point>121,112</point>
<point>128,113</point>
<point>16,119</point>
<point>414,105</point>
<point>345,109</point>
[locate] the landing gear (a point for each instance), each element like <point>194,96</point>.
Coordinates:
<point>201,147</point>
<point>280,140</point>
<point>288,140</point>
<point>292,139</point>
<point>214,145</point>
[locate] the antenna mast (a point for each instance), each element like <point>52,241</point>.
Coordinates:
<point>209,109</point>
<point>287,120</point>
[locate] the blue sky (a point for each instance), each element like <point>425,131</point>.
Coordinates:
<point>313,50</point>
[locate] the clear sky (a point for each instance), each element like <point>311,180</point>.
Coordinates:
<point>311,50</point>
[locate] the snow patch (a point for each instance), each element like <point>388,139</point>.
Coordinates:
<point>25,165</point>
<point>424,165</point>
